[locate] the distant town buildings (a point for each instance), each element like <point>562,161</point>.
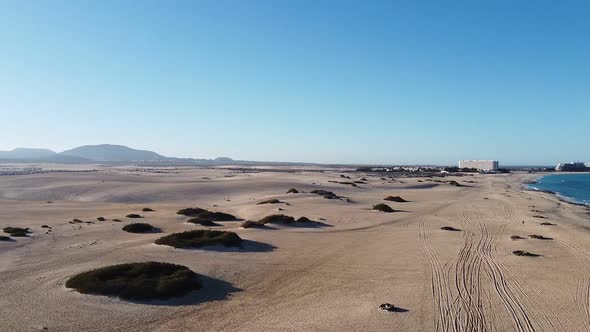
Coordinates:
<point>480,165</point>
<point>572,167</point>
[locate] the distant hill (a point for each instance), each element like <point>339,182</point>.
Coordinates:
<point>113,153</point>
<point>26,153</point>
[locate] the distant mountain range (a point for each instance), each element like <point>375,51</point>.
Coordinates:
<point>115,154</point>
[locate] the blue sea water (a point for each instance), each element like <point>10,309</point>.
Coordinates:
<point>574,187</point>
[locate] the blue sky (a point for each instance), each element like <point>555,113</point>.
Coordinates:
<point>399,82</point>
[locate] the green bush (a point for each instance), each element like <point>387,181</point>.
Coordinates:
<point>139,228</point>
<point>383,208</point>
<point>137,281</point>
<point>200,238</point>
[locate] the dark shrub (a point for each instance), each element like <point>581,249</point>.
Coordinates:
<point>147,210</point>
<point>252,224</point>
<point>117,220</point>
<point>4,238</point>
<point>45,226</point>
<point>16,231</point>
<point>276,219</point>
<point>77,221</point>
<point>397,199</point>
<point>547,224</point>
<point>100,219</point>
<point>292,191</point>
<point>383,208</point>
<point>539,237</point>
<point>539,216</point>
<point>304,219</point>
<point>133,216</point>
<point>200,238</point>
<point>516,237</point>
<point>203,222</point>
<point>524,253</point>
<point>325,194</point>
<point>449,228</point>
<point>190,212</point>
<point>269,201</point>
<point>217,216</point>
<point>139,228</point>
<point>137,281</point>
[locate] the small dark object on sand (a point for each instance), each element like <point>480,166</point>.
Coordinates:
<point>516,237</point>
<point>387,307</point>
<point>200,238</point>
<point>147,210</point>
<point>139,228</point>
<point>4,238</point>
<point>539,237</point>
<point>117,220</point>
<point>455,183</point>
<point>16,231</point>
<point>191,212</point>
<point>45,226</point>
<point>325,194</point>
<point>252,224</point>
<point>449,228</point>
<point>269,201</point>
<point>524,253</point>
<point>203,222</point>
<point>276,219</point>
<point>547,224</point>
<point>100,219</point>
<point>133,216</point>
<point>539,216</point>
<point>292,191</point>
<point>76,221</point>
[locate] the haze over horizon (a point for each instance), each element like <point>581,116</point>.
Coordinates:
<point>329,82</point>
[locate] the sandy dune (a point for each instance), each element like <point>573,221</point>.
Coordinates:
<point>331,277</point>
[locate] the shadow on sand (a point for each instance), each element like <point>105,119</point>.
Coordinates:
<point>213,290</point>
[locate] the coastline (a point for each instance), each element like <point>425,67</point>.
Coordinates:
<point>529,185</point>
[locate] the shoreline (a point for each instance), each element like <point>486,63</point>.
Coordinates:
<point>528,185</point>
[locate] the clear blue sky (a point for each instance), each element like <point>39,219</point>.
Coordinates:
<point>322,81</point>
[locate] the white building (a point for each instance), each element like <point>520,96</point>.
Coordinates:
<point>481,165</point>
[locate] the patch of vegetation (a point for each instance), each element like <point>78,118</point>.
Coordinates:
<point>217,216</point>
<point>191,212</point>
<point>383,208</point>
<point>449,228</point>
<point>303,220</point>
<point>516,237</point>
<point>101,219</point>
<point>539,237</point>
<point>539,216</point>
<point>45,226</point>
<point>397,199</point>
<point>269,201</point>
<point>147,209</point>
<point>276,219</point>
<point>117,220</point>
<point>325,194</point>
<point>139,228</point>
<point>4,238</point>
<point>134,216</point>
<point>76,221</point>
<point>203,222</point>
<point>17,231</point>
<point>547,224</point>
<point>252,224</point>
<point>200,238</point>
<point>292,191</point>
<point>137,281</point>
<point>524,253</point>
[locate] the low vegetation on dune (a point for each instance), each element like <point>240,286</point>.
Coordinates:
<point>17,231</point>
<point>117,220</point>
<point>139,228</point>
<point>397,199</point>
<point>269,201</point>
<point>190,212</point>
<point>137,281</point>
<point>203,222</point>
<point>101,219</point>
<point>200,238</point>
<point>134,216</point>
<point>4,238</point>
<point>539,237</point>
<point>516,237</point>
<point>292,191</point>
<point>207,215</point>
<point>252,224</point>
<point>449,228</point>
<point>325,194</point>
<point>276,219</point>
<point>523,253</point>
<point>547,224</point>
<point>383,208</point>
<point>146,209</point>
<point>539,216</point>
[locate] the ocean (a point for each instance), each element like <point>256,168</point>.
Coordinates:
<point>573,187</point>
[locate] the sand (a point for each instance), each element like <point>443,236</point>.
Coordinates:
<point>329,277</point>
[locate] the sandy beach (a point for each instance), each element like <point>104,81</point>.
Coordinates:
<point>330,276</point>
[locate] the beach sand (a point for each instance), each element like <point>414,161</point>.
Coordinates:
<point>329,277</point>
